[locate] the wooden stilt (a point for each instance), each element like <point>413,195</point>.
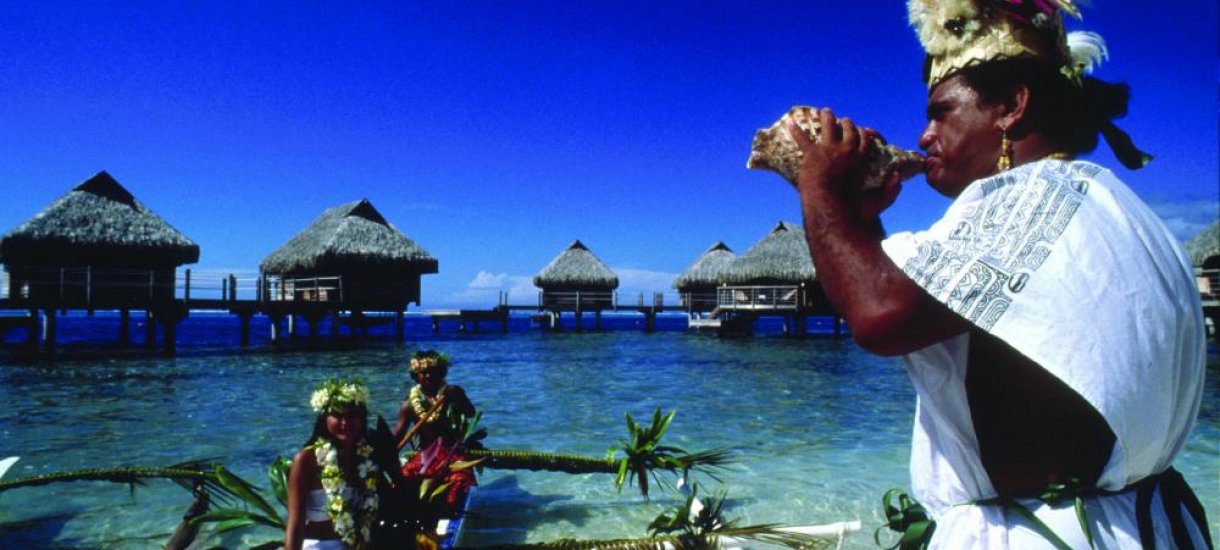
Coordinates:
<point>32,329</point>
<point>169,327</point>
<point>125,327</point>
<point>48,329</point>
<point>245,328</point>
<point>650,321</point>
<point>150,329</point>
<point>597,320</point>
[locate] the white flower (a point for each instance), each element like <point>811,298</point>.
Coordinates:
<point>359,394</point>
<point>318,399</point>
<point>352,508</point>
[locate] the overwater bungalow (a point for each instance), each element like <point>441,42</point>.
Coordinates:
<point>775,276</point>
<point>577,281</point>
<point>350,258</point>
<point>1204,250</point>
<point>96,247</point>
<point>697,284</point>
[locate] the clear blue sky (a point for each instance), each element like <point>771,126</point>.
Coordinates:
<point>495,133</point>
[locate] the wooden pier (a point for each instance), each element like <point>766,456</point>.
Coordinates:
<point>285,302</point>
<point>299,306</point>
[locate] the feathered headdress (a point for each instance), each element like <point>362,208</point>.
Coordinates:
<point>961,33</point>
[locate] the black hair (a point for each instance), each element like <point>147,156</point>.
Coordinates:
<point>1068,117</point>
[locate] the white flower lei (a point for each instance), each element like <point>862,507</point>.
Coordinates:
<point>352,509</point>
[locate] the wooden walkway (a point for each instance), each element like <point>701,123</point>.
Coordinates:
<point>292,304</point>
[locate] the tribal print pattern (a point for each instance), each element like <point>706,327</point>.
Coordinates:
<point>1002,239</point>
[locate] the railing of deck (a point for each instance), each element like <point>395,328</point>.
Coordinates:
<point>82,284</point>
<point>699,301</point>
<point>762,297</point>
<point>600,298</point>
<point>301,289</point>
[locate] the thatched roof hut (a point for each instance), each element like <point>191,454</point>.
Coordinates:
<point>780,257</point>
<point>708,270</point>
<point>1204,248</point>
<point>576,268</point>
<point>98,223</point>
<point>349,236</point>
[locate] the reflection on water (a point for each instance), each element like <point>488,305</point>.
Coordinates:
<point>822,429</point>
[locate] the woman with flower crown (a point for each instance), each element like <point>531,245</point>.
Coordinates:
<point>332,486</point>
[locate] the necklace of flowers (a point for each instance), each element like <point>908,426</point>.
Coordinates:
<point>353,510</point>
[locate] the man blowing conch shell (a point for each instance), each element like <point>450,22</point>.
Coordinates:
<point>1049,321</point>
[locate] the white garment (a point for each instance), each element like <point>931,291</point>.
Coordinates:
<point>315,506</point>
<point>1064,263</point>
<point>326,544</point>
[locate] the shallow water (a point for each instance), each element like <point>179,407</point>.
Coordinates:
<point>822,429</point>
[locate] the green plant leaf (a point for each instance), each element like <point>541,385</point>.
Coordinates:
<point>463,464</point>
<point>244,490</point>
<point>232,524</point>
<point>278,474</point>
<point>440,490</point>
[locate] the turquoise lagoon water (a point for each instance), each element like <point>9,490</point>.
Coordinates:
<point>821,428</point>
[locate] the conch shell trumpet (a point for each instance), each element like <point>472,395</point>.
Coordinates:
<point>775,150</point>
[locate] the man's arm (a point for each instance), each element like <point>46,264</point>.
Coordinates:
<point>887,312</point>
<point>456,397</point>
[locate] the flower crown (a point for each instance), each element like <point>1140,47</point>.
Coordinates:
<point>335,396</point>
<point>420,364</point>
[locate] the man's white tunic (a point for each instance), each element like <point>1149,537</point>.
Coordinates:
<point>1064,263</point>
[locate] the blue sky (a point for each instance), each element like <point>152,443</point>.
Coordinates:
<point>496,133</point>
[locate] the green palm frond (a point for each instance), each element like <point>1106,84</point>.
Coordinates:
<point>133,475</point>
<point>644,454</point>
<point>538,461</point>
<point>637,456</point>
<point>251,508</point>
<point>769,534</point>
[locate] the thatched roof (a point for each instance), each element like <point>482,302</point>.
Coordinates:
<point>349,236</point>
<point>1204,245</point>
<point>97,222</point>
<point>707,270</point>
<point>576,267</point>
<point>782,256</point>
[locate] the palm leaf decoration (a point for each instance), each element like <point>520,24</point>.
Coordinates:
<point>185,474</point>
<point>693,525</point>
<point>636,457</point>
<point>644,455</point>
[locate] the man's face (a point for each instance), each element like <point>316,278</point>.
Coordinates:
<point>962,138</point>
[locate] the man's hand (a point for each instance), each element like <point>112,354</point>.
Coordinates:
<point>835,163</point>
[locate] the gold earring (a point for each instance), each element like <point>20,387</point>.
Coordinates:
<point>1005,161</point>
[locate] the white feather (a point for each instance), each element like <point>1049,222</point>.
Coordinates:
<point>1087,50</point>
